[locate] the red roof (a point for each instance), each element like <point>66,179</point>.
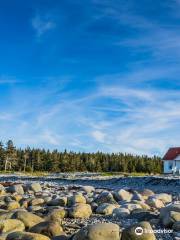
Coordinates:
<point>172,153</point>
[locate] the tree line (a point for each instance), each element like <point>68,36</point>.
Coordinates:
<point>31,159</point>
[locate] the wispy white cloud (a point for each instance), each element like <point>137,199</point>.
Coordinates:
<point>42,24</point>
<point>6,116</point>
<point>51,138</point>
<point>139,120</point>
<point>4,79</point>
<point>161,43</point>
<point>129,111</point>
<point>99,136</point>
<point>149,35</point>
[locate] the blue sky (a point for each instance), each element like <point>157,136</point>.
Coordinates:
<point>90,75</point>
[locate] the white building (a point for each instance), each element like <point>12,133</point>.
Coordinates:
<point>172,161</point>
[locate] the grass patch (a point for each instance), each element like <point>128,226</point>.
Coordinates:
<point>34,174</point>
<point>133,174</point>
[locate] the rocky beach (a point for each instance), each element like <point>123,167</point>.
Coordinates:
<point>89,207</point>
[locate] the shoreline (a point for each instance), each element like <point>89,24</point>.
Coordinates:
<point>168,184</point>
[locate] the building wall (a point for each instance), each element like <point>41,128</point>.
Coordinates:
<point>178,166</point>
<point>167,166</point>
<point>170,164</point>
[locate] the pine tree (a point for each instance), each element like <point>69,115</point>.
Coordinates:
<point>2,156</point>
<point>45,160</point>
<point>11,156</point>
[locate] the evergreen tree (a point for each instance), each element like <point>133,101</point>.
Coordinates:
<point>2,156</point>
<point>11,156</point>
<point>44,160</point>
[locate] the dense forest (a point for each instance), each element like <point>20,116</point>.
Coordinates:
<point>30,159</point>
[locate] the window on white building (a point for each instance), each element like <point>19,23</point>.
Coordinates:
<point>170,166</point>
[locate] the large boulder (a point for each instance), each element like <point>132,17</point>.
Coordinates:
<point>77,198</point>
<point>176,226</point>
<point>164,197</point>
<point>35,209</point>
<point>106,208</point>
<point>131,206</point>
<point>2,190</point>
<point>62,201</point>
<point>155,202</point>
<point>144,205</point>
<point>99,231</point>
<point>36,201</point>
<point>168,218</point>
<point>143,215</point>
<point>80,210</point>
<point>88,189</point>
<point>120,213</point>
<point>172,207</point>
<point>35,187</point>
<point>105,197</point>
<point>17,197</point>
<point>3,236</point>
<point>16,189</point>
<point>137,196</point>
<point>26,236</point>
<point>11,225</point>
<point>29,219</point>
<point>12,205</point>
<point>146,193</point>
<point>6,215</point>
<point>122,195</point>
<point>139,231</point>
<point>61,237</point>
<point>50,229</point>
<point>57,214</point>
